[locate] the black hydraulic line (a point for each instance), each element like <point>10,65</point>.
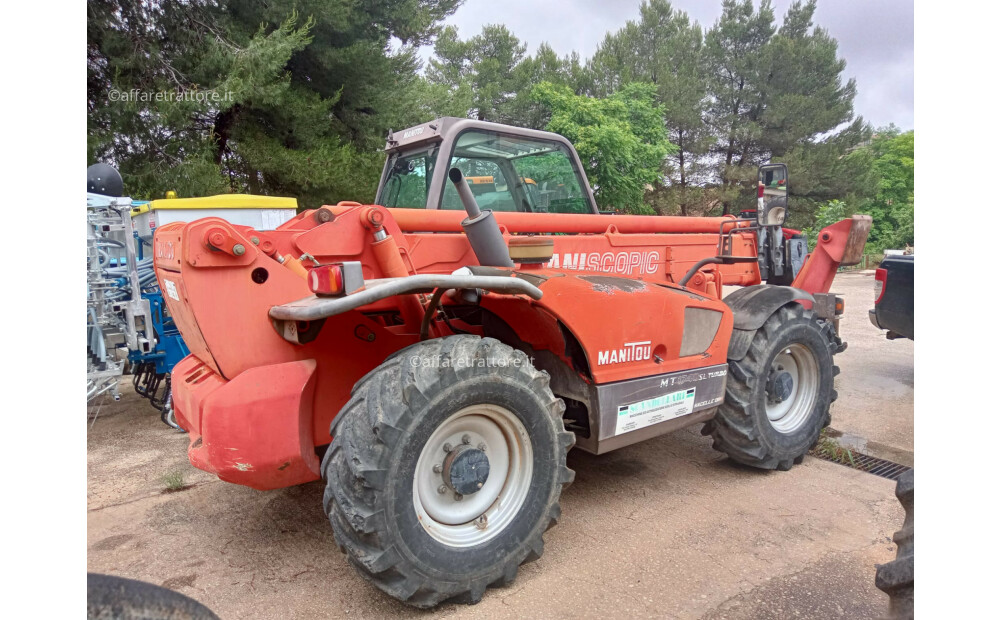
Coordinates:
<point>425,324</point>
<point>718,260</point>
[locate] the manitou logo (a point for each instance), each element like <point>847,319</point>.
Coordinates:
<point>629,352</point>
<point>612,262</point>
<point>164,250</point>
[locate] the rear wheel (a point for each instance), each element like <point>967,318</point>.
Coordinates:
<point>778,396</point>
<point>446,468</point>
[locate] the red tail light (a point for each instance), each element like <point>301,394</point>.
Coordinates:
<point>879,284</point>
<point>327,280</point>
<point>760,190</point>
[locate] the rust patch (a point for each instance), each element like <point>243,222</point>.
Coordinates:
<point>610,285</point>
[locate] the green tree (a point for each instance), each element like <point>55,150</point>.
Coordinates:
<point>493,74</point>
<point>826,215</point>
<point>305,87</point>
<point>487,62</point>
<point>621,140</point>
<point>891,206</point>
<point>664,48</point>
<point>778,95</point>
<point>734,57</point>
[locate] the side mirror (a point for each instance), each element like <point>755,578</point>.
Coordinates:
<point>772,194</point>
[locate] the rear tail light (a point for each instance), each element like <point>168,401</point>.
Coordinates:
<point>336,280</point>
<point>879,284</point>
<point>327,280</point>
<point>760,190</point>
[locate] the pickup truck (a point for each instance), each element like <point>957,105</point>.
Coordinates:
<point>893,309</point>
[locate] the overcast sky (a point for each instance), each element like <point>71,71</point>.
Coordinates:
<point>875,37</point>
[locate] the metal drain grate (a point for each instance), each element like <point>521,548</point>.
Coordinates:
<point>870,464</point>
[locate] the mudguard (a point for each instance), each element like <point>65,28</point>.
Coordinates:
<point>751,306</point>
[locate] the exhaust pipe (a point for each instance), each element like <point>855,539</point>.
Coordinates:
<point>481,227</point>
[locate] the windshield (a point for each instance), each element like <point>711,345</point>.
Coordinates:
<point>516,173</point>
<point>408,179</point>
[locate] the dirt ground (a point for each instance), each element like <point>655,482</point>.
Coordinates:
<point>666,528</point>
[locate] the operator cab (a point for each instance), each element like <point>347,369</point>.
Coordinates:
<point>508,169</point>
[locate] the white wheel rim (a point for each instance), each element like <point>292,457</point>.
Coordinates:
<point>790,414</point>
<point>478,517</point>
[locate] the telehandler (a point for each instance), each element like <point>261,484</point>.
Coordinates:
<point>435,355</point>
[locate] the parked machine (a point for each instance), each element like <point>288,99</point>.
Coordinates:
<point>128,324</point>
<point>120,285</point>
<point>433,361</point>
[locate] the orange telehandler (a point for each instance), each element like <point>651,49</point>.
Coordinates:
<point>434,356</point>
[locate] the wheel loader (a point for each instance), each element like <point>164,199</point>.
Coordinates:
<point>433,356</point>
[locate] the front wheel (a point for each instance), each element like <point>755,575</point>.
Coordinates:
<point>446,468</point>
<point>778,396</point>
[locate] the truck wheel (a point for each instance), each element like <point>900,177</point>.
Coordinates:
<point>445,469</point>
<point>778,396</point>
<point>895,578</point>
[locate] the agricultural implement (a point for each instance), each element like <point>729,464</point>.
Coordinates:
<point>434,356</point>
<point>127,322</point>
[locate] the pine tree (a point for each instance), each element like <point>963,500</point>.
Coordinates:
<point>665,49</point>
<point>306,92</point>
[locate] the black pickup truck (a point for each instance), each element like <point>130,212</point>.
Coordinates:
<point>893,309</point>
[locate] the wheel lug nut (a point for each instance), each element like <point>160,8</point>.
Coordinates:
<point>466,439</point>
<point>442,489</point>
<point>482,446</point>
<point>437,469</point>
<point>447,447</point>
<point>458,497</point>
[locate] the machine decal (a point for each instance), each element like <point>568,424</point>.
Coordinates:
<point>707,386</point>
<point>654,410</point>
<point>164,249</point>
<point>611,262</point>
<point>676,380</point>
<point>171,289</point>
<point>629,352</point>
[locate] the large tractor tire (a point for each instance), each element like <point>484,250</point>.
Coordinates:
<point>778,395</point>
<point>446,468</point>
<point>896,578</point>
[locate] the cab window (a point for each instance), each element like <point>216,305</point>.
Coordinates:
<point>488,185</point>
<point>511,173</point>
<point>407,180</point>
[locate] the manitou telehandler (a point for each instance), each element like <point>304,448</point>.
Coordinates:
<point>434,356</point>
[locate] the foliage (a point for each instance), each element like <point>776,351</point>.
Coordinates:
<point>173,481</point>
<point>493,75</point>
<point>665,49</point>
<point>827,214</point>
<point>301,92</point>
<point>891,206</point>
<point>621,139</point>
